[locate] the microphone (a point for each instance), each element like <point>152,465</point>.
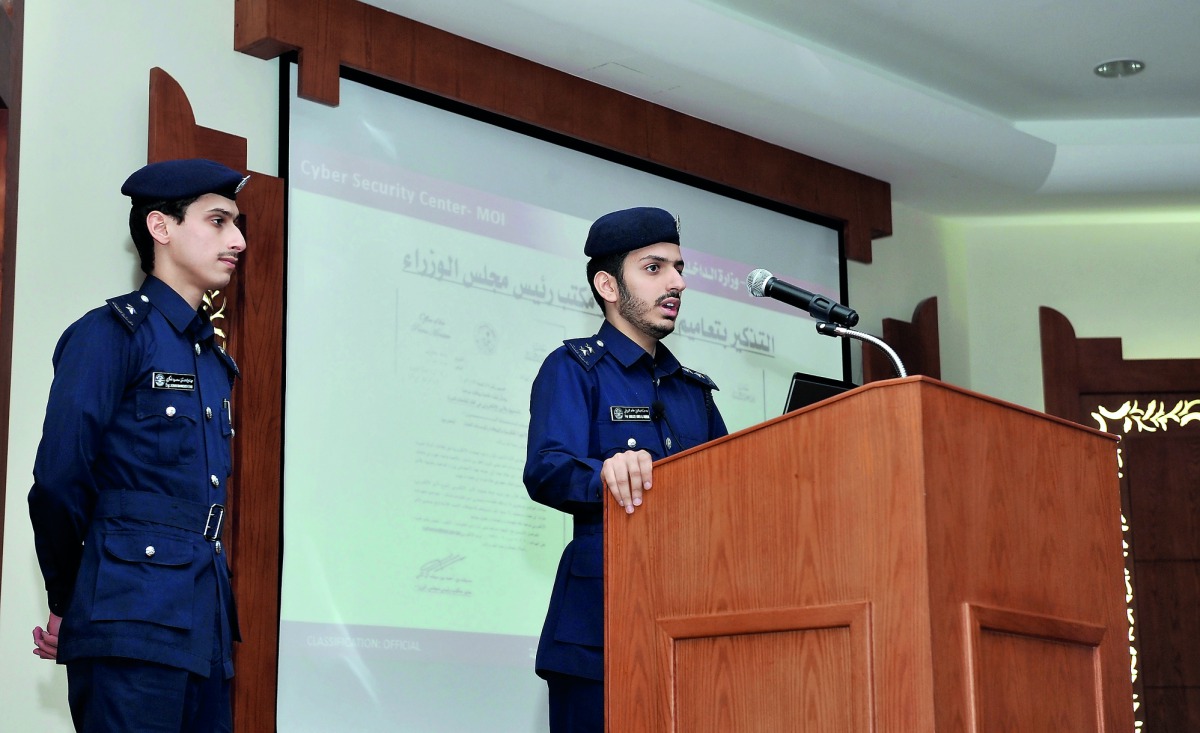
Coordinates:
<point>658,411</point>
<point>761,283</point>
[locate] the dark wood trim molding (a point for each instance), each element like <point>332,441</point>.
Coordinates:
<point>917,343</point>
<point>1060,365</point>
<point>328,34</point>
<point>254,325</point>
<point>12,31</point>
<point>1073,366</point>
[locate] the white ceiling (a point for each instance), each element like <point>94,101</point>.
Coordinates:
<point>967,107</point>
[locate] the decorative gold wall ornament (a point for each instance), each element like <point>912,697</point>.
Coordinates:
<point>1153,418</point>
<point>214,304</point>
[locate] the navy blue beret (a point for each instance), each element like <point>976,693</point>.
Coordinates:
<point>171,180</point>
<point>630,229</point>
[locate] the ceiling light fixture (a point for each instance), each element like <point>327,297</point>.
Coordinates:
<point>1119,67</point>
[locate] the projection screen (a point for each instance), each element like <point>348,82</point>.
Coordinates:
<point>434,259</point>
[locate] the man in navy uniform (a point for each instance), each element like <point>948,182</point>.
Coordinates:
<point>602,409</point>
<point>130,477</point>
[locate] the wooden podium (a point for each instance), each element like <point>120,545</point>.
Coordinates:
<point>908,556</point>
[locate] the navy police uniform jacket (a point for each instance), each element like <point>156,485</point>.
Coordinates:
<point>593,398</point>
<point>135,453</point>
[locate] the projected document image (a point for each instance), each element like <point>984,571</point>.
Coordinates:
<point>427,448</point>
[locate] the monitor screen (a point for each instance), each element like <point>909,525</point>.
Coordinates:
<point>808,389</point>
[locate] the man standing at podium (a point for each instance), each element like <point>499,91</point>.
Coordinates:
<point>602,410</point>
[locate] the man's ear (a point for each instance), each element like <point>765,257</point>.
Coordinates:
<point>156,223</point>
<point>606,284</point>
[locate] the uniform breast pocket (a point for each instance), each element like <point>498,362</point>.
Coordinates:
<point>144,576</point>
<point>167,422</point>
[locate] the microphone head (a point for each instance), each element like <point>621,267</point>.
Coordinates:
<point>657,410</point>
<point>756,282</point>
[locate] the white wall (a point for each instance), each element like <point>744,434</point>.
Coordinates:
<point>921,259</point>
<point>1121,274</point>
<point>1124,274</point>
<point>83,130</point>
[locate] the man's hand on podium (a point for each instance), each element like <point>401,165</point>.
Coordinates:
<point>626,475</point>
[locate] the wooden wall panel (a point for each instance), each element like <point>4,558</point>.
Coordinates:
<point>1168,596</point>
<point>1158,406</point>
<point>12,28</point>
<point>917,343</point>
<point>1164,474</point>
<point>329,33</point>
<point>1165,707</point>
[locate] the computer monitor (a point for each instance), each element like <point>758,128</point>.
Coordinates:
<point>807,389</point>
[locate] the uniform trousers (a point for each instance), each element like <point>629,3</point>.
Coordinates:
<point>114,695</point>
<point>576,704</point>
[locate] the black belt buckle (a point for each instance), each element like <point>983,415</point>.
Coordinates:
<point>212,526</point>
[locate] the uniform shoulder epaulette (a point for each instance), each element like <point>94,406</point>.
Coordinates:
<point>230,364</point>
<point>130,309</point>
<point>587,351</point>
<point>699,377</point>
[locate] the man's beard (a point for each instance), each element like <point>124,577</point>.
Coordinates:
<point>635,311</point>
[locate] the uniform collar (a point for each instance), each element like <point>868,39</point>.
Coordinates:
<point>628,352</point>
<point>174,308</point>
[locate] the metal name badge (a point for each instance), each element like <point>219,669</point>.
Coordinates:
<point>629,414</point>
<point>170,380</point>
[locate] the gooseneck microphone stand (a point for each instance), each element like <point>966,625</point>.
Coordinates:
<point>833,330</point>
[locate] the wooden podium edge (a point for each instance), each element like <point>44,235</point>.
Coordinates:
<point>893,384</point>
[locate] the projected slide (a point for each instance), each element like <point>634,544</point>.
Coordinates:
<point>434,260</point>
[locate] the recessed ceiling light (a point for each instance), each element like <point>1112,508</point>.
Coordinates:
<point>1119,67</point>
